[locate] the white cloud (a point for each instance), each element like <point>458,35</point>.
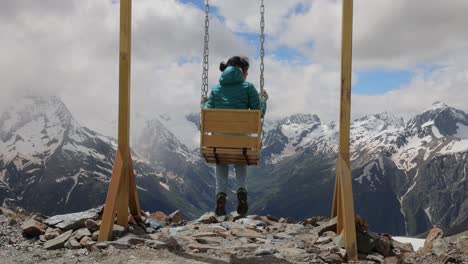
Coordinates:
<point>70,49</point>
<point>397,34</point>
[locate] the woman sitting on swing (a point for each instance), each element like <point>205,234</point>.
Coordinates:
<point>233,92</point>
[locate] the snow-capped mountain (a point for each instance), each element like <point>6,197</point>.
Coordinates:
<point>187,174</point>
<point>407,176</point>
<point>51,164</point>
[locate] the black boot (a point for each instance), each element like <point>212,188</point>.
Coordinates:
<point>242,206</point>
<point>220,204</point>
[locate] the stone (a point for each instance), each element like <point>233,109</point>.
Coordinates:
<point>179,229</point>
<point>254,217</point>
<point>205,234</point>
<point>209,240</point>
<point>95,236</point>
<point>393,260</point>
<point>160,241</point>
<point>160,216</point>
<point>247,221</point>
<point>365,242</point>
<point>323,240</point>
<point>91,225</point>
<point>329,257</point>
<point>132,239</point>
<point>74,220</point>
<point>84,241</point>
<point>32,228</point>
<point>175,217</point>
<point>150,230</point>
<point>272,218</point>
<point>91,246</point>
<point>433,234</point>
<point>7,212</point>
<point>339,240</point>
<point>287,220</point>
<point>207,218</point>
<point>246,233</point>
<point>326,226</point>
<point>72,244</point>
<point>58,242</point>
<point>51,233</point>
<point>102,245</point>
<point>118,231</point>
<point>201,247</point>
<point>265,251</point>
<point>153,223</point>
<point>80,233</point>
<point>402,247</point>
<point>383,246</point>
<point>376,258</point>
<point>447,259</point>
<point>215,228</point>
<point>440,247</point>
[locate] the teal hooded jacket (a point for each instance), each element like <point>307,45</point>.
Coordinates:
<point>233,92</point>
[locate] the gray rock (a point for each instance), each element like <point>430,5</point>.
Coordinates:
<point>80,233</point>
<point>376,258</point>
<point>179,229</point>
<point>323,240</point>
<point>59,241</point>
<point>91,225</point>
<point>95,236</point>
<point>52,233</point>
<point>440,247</point>
<point>118,231</point>
<point>402,247</point>
<point>333,258</point>
<point>326,226</point>
<point>208,218</point>
<point>247,221</point>
<point>73,220</point>
<point>155,224</point>
<point>32,228</point>
<point>339,241</point>
<point>160,241</point>
<point>265,251</point>
<point>175,217</point>
<point>72,243</point>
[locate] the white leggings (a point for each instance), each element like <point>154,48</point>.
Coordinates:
<point>222,171</point>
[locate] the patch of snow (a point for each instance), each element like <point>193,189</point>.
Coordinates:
<point>428,213</point>
<point>455,147</point>
<point>75,179</point>
<point>462,131</point>
<point>165,186</point>
<point>417,243</point>
<point>141,188</point>
<point>366,173</point>
<point>381,165</point>
<point>436,132</point>
<point>405,155</point>
<point>428,123</point>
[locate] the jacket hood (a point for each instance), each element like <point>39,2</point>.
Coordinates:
<point>231,75</point>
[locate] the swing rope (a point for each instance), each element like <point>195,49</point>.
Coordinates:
<point>206,52</point>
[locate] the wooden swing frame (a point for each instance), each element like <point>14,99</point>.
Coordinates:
<point>122,194</point>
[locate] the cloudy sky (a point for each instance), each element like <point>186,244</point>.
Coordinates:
<point>407,55</point>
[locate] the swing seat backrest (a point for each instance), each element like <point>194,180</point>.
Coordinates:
<point>231,136</point>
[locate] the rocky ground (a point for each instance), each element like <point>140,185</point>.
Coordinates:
<point>158,238</point>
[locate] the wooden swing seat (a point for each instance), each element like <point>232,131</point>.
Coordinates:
<point>231,136</point>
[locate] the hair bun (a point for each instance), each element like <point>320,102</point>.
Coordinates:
<point>222,66</point>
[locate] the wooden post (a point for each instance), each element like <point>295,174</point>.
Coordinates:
<point>122,192</point>
<point>343,205</point>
